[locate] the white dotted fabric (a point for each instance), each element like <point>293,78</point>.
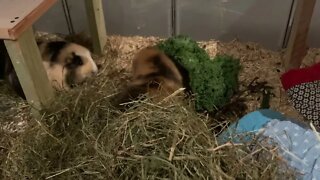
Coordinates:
<point>299,146</point>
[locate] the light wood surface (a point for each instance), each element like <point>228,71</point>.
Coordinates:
<point>96,24</point>
<point>297,45</point>
<point>18,15</point>
<point>26,59</point>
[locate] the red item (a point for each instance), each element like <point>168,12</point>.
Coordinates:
<point>298,76</point>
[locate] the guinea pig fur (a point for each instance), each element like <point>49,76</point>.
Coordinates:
<point>66,64</point>
<point>154,74</point>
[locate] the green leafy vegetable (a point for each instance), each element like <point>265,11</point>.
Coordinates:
<point>213,81</point>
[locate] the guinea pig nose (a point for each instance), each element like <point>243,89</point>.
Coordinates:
<point>94,72</point>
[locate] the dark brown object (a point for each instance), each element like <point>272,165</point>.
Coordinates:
<point>152,73</point>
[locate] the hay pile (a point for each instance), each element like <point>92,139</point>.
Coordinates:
<point>81,137</point>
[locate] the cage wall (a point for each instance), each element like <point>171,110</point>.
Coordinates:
<point>263,21</point>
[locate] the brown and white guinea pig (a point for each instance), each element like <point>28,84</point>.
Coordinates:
<point>154,74</point>
<point>66,64</point>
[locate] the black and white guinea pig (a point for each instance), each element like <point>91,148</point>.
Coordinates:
<point>66,64</point>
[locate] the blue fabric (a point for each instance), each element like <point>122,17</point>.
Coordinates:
<point>249,124</point>
<point>298,145</point>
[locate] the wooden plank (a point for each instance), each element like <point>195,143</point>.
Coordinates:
<point>97,26</point>
<point>26,59</point>
<point>13,11</point>
<point>297,45</point>
<point>17,16</point>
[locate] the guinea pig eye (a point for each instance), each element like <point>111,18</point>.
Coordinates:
<point>76,60</point>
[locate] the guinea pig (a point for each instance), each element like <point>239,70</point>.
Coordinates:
<point>154,74</point>
<point>66,64</point>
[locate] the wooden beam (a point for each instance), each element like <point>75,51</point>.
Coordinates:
<point>297,45</point>
<point>97,26</point>
<point>26,59</point>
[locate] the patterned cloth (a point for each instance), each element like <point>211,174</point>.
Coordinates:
<point>305,98</point>
<point>303,89</point>
<point>298,144</point>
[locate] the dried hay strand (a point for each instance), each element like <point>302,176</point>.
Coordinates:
<point>82,137</point>
<point>149,142</point>
<point>14,113</point>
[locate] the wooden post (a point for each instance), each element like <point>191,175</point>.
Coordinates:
<point>27,62</point>
<point>97,26</point>
<point>297,46</point>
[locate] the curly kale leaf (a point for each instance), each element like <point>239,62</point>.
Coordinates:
<point>213,81</point>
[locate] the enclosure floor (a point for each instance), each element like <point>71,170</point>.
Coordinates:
<point>255,60</point>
